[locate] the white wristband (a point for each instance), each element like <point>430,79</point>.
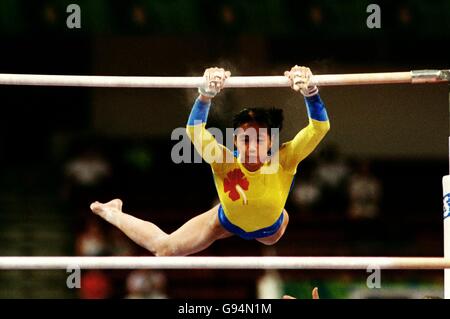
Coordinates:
<point>310,91</point>
<point>206,92</point>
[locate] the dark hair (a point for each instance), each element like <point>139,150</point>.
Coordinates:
<point>270,118</point>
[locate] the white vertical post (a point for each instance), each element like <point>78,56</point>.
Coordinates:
<point>446,184</point>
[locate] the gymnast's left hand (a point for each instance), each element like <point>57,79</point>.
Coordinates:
<point>214,82</point>
<point>300,79</point>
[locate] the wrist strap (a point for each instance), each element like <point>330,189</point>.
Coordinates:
<point>206,92</point>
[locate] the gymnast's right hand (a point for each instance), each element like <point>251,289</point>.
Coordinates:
<point>214,80</point>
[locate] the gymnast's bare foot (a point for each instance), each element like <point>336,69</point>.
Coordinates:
<point>106,208</point>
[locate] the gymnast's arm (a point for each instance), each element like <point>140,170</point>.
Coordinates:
<point>204,142</point>
<point>294,151</point>
<point>196,125</point>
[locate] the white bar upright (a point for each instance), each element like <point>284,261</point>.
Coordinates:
<point>446,185</point>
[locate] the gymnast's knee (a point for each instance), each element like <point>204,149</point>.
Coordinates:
<point>273,239</point>
<point>165,248</point>
<point>166,251</point>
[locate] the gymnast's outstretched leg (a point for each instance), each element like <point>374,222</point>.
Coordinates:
<point>194,236</point>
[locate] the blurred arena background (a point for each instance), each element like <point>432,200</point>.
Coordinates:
<point>372,188</point>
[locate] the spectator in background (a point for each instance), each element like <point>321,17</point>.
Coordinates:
<point>306,194</point>
<point>95,285</point>
<point>364,193</point>
<point>270,284</point>
<point>88,169</point>
<point>86,177</point>
<point>146,284</point>
<point>332,174</point>
<point>91,242</point>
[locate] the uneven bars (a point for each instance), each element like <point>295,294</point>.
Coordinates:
<point>419,76</point>
<point>224,262</point>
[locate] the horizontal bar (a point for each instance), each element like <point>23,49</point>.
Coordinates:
<point>424,76</point>
<point>224,262</point>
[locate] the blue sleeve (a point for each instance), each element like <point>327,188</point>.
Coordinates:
<point>316,108</point>
<point>199,113</point>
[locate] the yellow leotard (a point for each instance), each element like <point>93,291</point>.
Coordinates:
<point>254,200</point>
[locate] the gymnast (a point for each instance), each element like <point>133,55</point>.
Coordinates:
<point>251,200</point>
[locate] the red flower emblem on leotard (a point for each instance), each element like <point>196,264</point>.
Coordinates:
<point>235,183</point>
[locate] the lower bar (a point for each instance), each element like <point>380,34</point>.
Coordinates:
<point>224,263</point>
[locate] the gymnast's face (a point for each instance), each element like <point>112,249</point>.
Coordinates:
<point>253,143</point>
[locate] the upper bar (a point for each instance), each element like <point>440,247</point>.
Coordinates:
<point>420,76</point>
<point>224,262</point>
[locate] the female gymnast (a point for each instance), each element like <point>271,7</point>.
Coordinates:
<point>252,196</point>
